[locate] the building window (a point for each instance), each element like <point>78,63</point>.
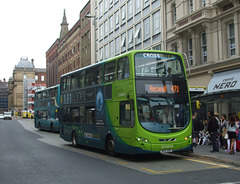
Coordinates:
<point>24,76</point>
<point>106,5</point>
<point>110,2</point>
<point>123,42</point>
<point>203,3</point>
<point>106,28</point>
<point>204,46</point>
<point>174,13</point>
<point>111,24</point>
<point>137,6</point>
<point>101,9</point>
<point>190,6</point>
<point>117,19</point>
<point>101,31</point>
<point>130,9</point>
<point>106,51</point>
<point>123,14</point>
<point>146,3</point>
<point>42,78</point>
<point>117,46</point>
<point>146,24</point>
<point>156,23</point>
<point>111,49</point>
<point>138,34</point>
<point>101,54</point>
<point>130,38</point>
<point>190,51</point>
<point>36,77</point>
<point>231,39</point>
<point>158,47</point>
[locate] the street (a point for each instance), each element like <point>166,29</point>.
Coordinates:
<point>28,155</point>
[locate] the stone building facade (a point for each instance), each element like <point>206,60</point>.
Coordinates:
<point>3,96</point>
<point>24,75</point>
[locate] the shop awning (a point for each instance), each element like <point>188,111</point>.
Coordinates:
<point>224,81</point>
<point>223,86</point>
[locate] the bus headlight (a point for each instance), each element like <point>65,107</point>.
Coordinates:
<point>189,137</point>
<point>141,139</point>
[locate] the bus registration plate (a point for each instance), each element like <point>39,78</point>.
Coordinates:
<point>166,151</point>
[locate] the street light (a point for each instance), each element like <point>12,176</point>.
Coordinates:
<point>94,30</point>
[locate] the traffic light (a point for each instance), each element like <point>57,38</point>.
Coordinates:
<point>198,104</point>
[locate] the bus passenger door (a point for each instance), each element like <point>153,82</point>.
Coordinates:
<point>126,121</point>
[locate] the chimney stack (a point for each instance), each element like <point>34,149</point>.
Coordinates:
<point>33,62</point>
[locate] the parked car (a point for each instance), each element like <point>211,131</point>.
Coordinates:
<point>1,116</point>
<point>7,115</point>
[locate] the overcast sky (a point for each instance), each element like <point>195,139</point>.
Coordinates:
<point>28,28</point>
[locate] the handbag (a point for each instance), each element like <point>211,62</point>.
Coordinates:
<point>226,136</point>
<point>224,132</point>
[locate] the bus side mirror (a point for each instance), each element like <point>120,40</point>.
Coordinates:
<point>198,104</point>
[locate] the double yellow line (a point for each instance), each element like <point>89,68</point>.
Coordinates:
<point>214,165</point>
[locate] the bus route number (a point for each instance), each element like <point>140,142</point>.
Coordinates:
<point>175,88</point>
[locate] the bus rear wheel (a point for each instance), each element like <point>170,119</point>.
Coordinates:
<point>110,146</point>
<point>51,128</point>
<point>74,140</point>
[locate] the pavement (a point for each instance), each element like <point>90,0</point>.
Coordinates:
<point>203,152</point>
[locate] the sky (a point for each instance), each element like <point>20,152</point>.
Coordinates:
<point>28,28</point>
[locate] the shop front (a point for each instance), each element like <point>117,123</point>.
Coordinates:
<point>222,95</point>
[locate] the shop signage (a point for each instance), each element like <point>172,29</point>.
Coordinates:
<point>229,80</point>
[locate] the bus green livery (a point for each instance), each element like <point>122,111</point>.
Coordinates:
<point>134,103</point>
<point>46,104</point>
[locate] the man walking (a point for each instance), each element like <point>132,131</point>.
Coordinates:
<point>212,129</point>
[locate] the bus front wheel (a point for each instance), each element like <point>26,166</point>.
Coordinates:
<point>110,146</point>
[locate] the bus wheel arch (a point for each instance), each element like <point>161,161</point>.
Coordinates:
<point>74,139</point>
<point>110,145</point>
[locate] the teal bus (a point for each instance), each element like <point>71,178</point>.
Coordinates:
<point>46,104</point>
<point>134,103</point>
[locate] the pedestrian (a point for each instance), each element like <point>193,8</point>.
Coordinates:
<point>212,129</point>
<point>232,128</point>
<point>195,128</point>
<point>236,145</point>
<point>219,122</point>
<point>223,131</point>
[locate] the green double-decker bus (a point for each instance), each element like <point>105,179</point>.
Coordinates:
<point>46,104</point>
<point>135,103</point>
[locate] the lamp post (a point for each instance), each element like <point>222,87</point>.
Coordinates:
<point>94,59</point>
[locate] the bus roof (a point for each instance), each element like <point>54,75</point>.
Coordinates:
<point>47,88</point>
<point>116,57</point>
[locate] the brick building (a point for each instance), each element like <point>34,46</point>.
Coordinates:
<point>71,51</point>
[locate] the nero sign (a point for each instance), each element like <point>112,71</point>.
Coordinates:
<point>225,85</point>
<point>229,80</point>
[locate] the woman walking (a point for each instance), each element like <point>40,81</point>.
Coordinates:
<point>232,128</point>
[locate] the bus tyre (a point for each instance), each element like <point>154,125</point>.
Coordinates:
<point>51,128</point>
<point>74,140</point>
<point>110,146</point>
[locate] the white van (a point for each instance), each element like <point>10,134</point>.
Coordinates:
<point>7,115</point>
